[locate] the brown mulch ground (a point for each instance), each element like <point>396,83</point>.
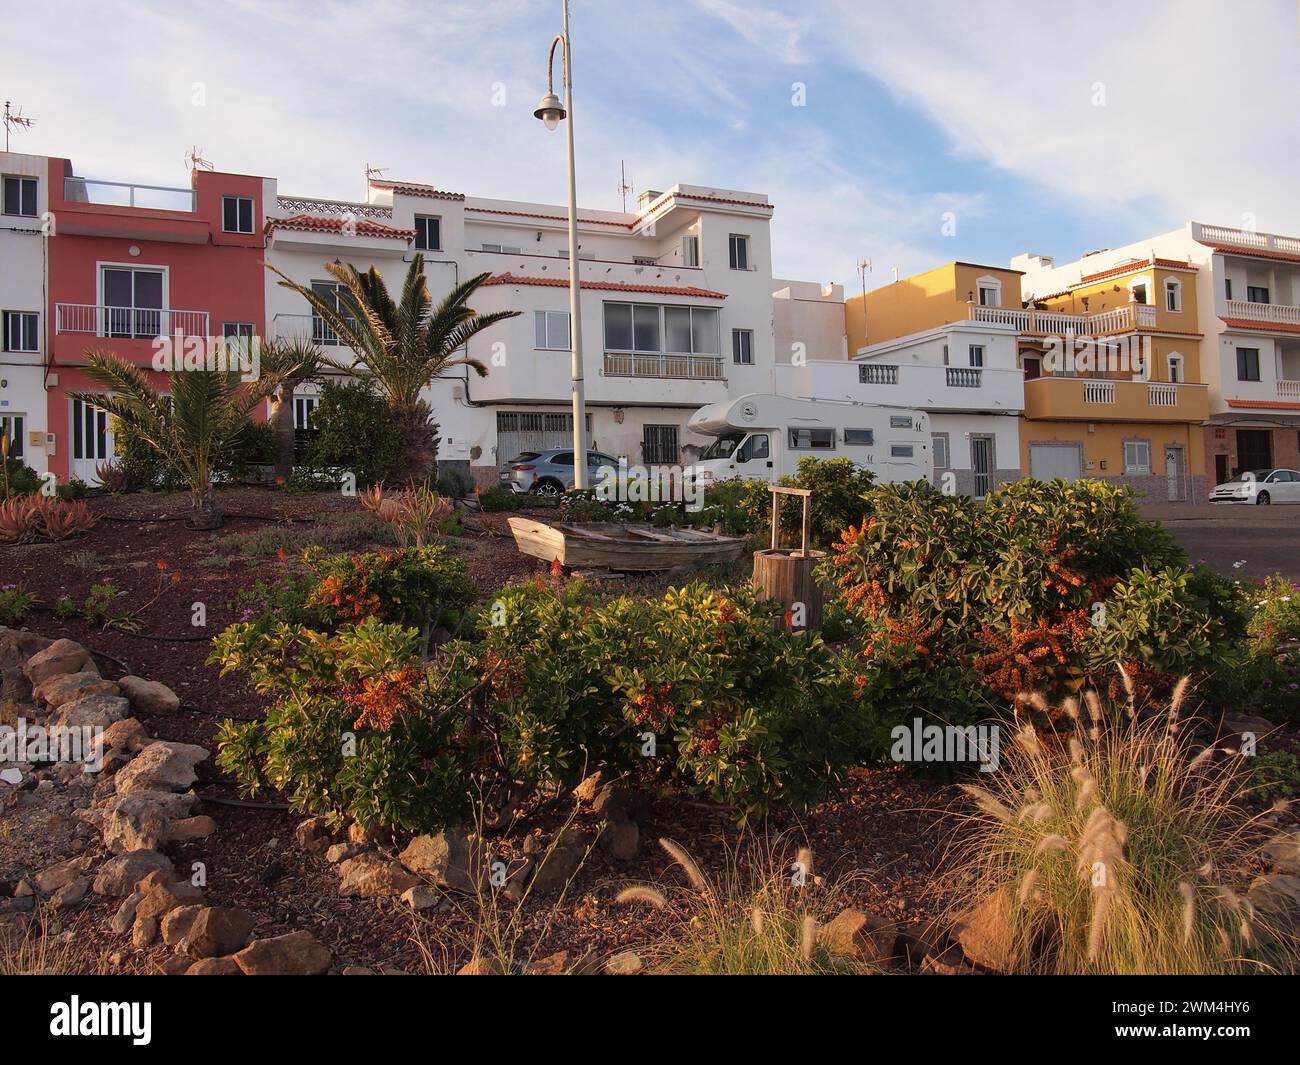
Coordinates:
<point>886,826</point>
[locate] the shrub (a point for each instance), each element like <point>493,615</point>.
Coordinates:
<point>356,431</point>
<point>1114,855</point>
<point>17,479</point>
<point>414,513</point>
<point>496,498</point>
<point>455,483</point>
<point>1273,776</point>
<point>142,466</point>
<point>15,601</point>
<point>27,519</point>
<point>1274,606</point>
<point>112,478</point>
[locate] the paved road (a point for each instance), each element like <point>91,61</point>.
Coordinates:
<point>1266,539</point>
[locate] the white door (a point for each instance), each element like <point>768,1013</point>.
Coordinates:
<point>92,440</point>
<point>1174,474</point>
<point>1047,462</point>
<point>754,457</point>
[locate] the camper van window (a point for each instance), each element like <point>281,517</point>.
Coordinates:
<point>723,446</point>
<point>754,448</point>
<point>901,451</point>
<point>900,421</point>
<point>866,437</point>
<point>814,439</point>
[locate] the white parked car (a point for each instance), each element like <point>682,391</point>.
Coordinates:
<point>1260,486</point>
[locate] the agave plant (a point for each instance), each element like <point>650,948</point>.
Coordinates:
<point>26,519</point>
<point>206,412</point>
<point>401,346</point>
<point>412,512</point>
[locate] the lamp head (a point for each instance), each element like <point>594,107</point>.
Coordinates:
<point>550,111</point>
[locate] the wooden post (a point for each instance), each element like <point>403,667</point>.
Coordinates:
<point>787,575</point>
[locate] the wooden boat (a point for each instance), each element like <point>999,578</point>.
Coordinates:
<point>623,548</point>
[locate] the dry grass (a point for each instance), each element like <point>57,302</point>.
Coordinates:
<point>42,950</point>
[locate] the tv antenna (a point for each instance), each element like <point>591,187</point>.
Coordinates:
<point>864,268</point>
<point>624,186</point>
<point>373,172</point>
<point>194,160</point>
<point>14,120</point>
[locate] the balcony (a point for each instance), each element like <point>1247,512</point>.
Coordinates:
<point>304,327</point>
<point>1245,239</point>
<point>962,376</point>
<point>687,367</point>
<point>137,323</point>
<point>1288,389</point>
<point>1276,313</point>
<point>876,374</point>
<point>121,194</point>
<point>933,388</point>
<point>1054,323</point>
<point>1092,399</point>
<point>295,205</point>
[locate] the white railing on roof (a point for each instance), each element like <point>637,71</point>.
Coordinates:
<point>1247,238</point>
<point>1263,312</point>
<point>121,194</point>
<point>332,208</point>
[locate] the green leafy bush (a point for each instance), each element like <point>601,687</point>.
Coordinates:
<point>355,431</point>
<point>18,479</point>
<point>496,498</point>
<point>15,602</point>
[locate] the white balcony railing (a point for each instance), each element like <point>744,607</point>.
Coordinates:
<point>1159,395</point>
<point>291,205</point>
<point>876,374</point>
<point>1099,391</point>
<point>686,367</point>
<point>1262,312</point>
<point>97,319</point>
<point>119,194</point>
<point>1049,323</point>
<point>962,376</point>
<point>1247,239</point>
<point>1288,388</point>
<point>305,327</point>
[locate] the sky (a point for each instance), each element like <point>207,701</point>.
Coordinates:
<point>905,134</point>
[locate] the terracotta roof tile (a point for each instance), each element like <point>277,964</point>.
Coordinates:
<point>1255,253</point>
<point>363,227</point>
<point>1272,327</point>
<point>607,286</point>
<point>1132,268</point>
<point>1264,404</point>
<point>411,188</point>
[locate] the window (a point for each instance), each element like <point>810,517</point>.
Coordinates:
<point>802,439</point>
<point>989,291</point>
<point>304,411</point>
<point>1227,288</point>
<point>20,196</point>
<point>1137,456</point>
<point>552,328</point>
<point>939,442</point>
<point>1256,294</point>
<point>945,354</point>
<point>512,250</point>
<point>900,421</point>
<point>690,251</point>
<point>335,296</point>
<point>860,437</point>
<point>1173,295</point>
<point>133,302</point>
<point>742,347</point>
<point>11,429</point>
<point>659,445</point>
<point>652,328</point>
<point>1248,364</point>
<point>1175,368</point>
<point>1033,369</point>
<point>902,451</point>
<point>237,214</point>
<point>21,331</point>
<point>645,260</point>
<point>428,233</point>
<point>1138,291</point>
<point>89,432</point>
<point>756,447</point>
<point>237,330</point>
<point>738,249</point>
<point>977,354</point>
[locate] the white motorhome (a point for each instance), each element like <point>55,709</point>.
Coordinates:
<point>763,437</point>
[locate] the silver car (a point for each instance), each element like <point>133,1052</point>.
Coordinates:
<point>1260,487</point>
<point>549,472</point>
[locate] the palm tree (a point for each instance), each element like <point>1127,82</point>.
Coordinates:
<point>204,415</point>
<point>400,347</point>
<point>295,362</point>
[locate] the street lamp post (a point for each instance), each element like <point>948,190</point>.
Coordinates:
<point>552,111</point>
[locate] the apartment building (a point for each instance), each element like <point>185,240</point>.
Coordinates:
<point>676,305</point>
<point>112,266</point>
<point>1238,292</point>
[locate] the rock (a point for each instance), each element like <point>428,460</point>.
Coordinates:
<point>139,820</point>
<point>986,932</point>
<point>215,967</point>
<point>177,965</point>
<point>64,687</point>
<point>62,656</point>
<point>120,923</point>
<point>1277,894</point>
<point>1282,853</point>
<point>144,932</point>
<point>18,645</point>
<point>421,897</point>
<point>13,926</point>
<point>14,687</point>
<point>949,963</point>
<point>452,859</point>
<point>218,930</point>
<point>119,875</point>
<point>858,935</point>
<point>161,898</point>
<point>609,802</point>
<point>370,875</point>
<point>71,894</point>
<point>12,775</point>
<point>189,828</point>
<point>162,766</point>
<point>1256,726</point>
<point>590,786</point>
<point>357,970</point>
<point>176,924</point>
<point>620,837</point>
<point>557,865</point>
<point>155,878</point>
<point>127,734</point>
<point>53,877</point>
<point>625,963</point>
<point>23,889</point>
<point>91,711</point>
<point>341,852</point>
<point>295,954</point>
<point>149,696</point>
<point>480,967</point>
<point>314,834</point>
<point>915,942</point>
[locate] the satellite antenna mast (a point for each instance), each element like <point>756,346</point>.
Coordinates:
<point>864,268</point>
<point>14,120</point>
<point>373,172</point>
<point>624,186</point>
<point>194,159</point>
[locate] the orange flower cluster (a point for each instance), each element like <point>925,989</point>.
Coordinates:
<point>1021,660</point>
<point>654,706</point>
<point>1147,683</point>
<point>504,675</point>
<point>378,700</point>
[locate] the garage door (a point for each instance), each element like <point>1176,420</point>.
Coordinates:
<point>1047,462</point>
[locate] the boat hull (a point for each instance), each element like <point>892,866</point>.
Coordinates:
<point>623,548</point>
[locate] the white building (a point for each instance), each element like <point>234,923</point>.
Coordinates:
<point>676,304</point>
<point>24,339</point>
